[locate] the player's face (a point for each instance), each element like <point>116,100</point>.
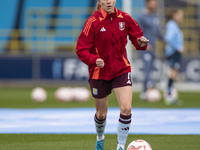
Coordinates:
<point>108,5</point>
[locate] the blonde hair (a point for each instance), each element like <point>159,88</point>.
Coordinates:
<point>98,5</point>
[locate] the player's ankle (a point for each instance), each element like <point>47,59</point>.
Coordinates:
<point>119,145</point>
<point>100,138</point>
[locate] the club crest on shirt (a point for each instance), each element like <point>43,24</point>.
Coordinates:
<point>95,91</point>
<point>121,26</point>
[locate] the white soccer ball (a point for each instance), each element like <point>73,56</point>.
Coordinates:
<point>81,94</point>
<point>153,95</point>
<point>139,145</point>
<point>38,94</point>
<point>64,94</point>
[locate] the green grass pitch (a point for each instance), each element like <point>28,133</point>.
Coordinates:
<point>20,98</point>
<point>87,141</point>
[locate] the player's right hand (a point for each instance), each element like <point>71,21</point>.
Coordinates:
<point>100,63</point>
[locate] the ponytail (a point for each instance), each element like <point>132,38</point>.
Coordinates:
<point>98,6</point>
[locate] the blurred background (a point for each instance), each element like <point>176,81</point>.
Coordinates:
<point>38,41</point>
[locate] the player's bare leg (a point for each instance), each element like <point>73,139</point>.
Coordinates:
<point>124,98</point>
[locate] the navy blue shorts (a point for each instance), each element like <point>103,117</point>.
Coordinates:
<point>102,88</point>
<point>174,61</point>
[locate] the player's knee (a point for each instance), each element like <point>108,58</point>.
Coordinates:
<point>126,110</point>
<point>101,115</point>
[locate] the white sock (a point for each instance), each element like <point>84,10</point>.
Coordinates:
<point>100,138</point>
<point>123,129</point>
<point>100,127</point>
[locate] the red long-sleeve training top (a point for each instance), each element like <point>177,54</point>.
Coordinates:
<point>105,36</point>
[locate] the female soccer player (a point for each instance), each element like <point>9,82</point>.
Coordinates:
<point>174,48</point>
<point>102,46</point>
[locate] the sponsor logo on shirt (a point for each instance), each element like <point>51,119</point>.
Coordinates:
<point>102,29</point>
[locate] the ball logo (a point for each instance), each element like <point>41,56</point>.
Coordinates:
<point>139,145</point>
<point>122,26</point>
<point>134,148</point>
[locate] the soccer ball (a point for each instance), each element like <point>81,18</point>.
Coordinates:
<point>139,145</point>
<point>81,94</point>
<point>153,95</point>
<point>38,94</point>
<point>64,94</point>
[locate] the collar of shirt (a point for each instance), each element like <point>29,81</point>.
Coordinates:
<point>106,15</point>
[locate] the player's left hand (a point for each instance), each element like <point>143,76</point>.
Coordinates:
<point>142,41</point>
